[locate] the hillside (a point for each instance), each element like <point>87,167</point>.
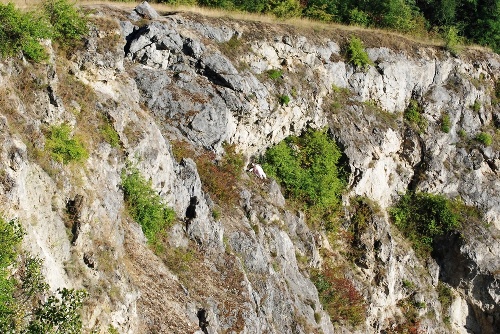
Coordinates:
<point>125,159</point>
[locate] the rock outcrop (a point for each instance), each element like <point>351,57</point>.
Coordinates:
<point>164,81</point>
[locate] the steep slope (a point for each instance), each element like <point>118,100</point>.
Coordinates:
<point>191,85</point>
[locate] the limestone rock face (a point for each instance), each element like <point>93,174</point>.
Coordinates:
<point>180,88</point>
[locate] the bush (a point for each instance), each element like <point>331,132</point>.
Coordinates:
<point>145,205</point>
<point>284,100</point>
<point>476,106</point>
<point>452,41</point>
<point>357,55</point>
<point>484,138</point>
<point>68,22</point>
<point>63,147</point>
<point>422,217</point>
<point>413,114</point>
<point>445,123</point>
<point>22,32</point>
<point>359,18</point>
<point>308,169</point>
<point>220,178</point>
<point>275,74</point>
<point>340,299</point>
<point>21,292</point>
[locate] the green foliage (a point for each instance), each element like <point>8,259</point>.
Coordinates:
<point>59,315</point>
<point>422,217</point>
<point>308,169</point>
<point>399,16</point>
<point>275,74</point>
<point>476,106</point>
<point>284,8</point>
<point>445,123</point>
<point>11,235</point>
<point>319,10</point>
<point>359,18</point>
<point>63,147</point>
<point>340,299</point>
<point>68,22</point>
<point>445,297</point>
<point>413,114</point>
<point>484,138</point>
<point>20,308</point>
<point>21,32</point>
<point>145,205</point>
<point>357,55</point>
<point>462,134</point>
<point>110,135</point>
<point>284,100</point>
<point>452,40</point>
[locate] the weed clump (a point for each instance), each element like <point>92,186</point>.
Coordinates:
<point>145,205</point>
<point>63,147</point>
<point>413,115</point>
<point>357,55</point>
<point>484,138</point>
<point>338,295</point>
<point>423,217</point>
<point>308,169</point>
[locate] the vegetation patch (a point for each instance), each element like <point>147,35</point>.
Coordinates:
<point>22,31</point>
<point>308,169</point>
<point>145,206</point>
<point>338,295</point>
<point>357,55</point>
<point>275,74</point>
<point>445,123</point>
<point>63,147</point>
<point>484,138</point>
<point>414,116</point>
<point>422,217</point>
<point>220,178</point>
<point>23,287</point>
<point>284,100</point>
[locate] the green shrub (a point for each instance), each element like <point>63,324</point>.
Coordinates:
<point>339,297</point>
<point>63,147</point>
<point>284,100</point>
<point>68,22</point>
<point>308,169</point>
<point>445,123</point>
<point>484,138</point>
<point>476,106</point>
<point>462,134</point>
<point>22,32</point>
<point>284,8</point>
<point>359,18</point>
<point>274,74</point>
<point>110,135</point>
<point>422,217</point>
<point>357,55</point>
<point>452,40</point>
<point>21,292</point>
<point>413,114</point>
<point>145,205</point>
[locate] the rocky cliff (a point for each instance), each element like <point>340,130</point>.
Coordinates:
<point>178,87</point>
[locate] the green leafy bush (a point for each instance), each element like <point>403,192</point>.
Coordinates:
<point>422,217</point>
<point>145,205</point>
<point>308,169</point>
<point>63,147</point>
<point>484,138</point>
<point>358,17</point>
<point>22,32</point>
<point>445,123</point>
<point>109,133</point>
<point>275,74</point>
<point>357,55</point>
<point>413,114</point>
<point>452,40</point>
<point>284,100</point>
<point>22,286</point>
<point>68,22</point>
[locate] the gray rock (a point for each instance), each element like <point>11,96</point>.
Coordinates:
<point>146,11</point>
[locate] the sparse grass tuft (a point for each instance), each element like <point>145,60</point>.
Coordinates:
<point>445,123</point>
<point>484,138</point>
<point>413,115</point>
<point>275,74</point>
<point>284,100</point>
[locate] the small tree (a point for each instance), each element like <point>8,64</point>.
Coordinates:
<point>69,23</point>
